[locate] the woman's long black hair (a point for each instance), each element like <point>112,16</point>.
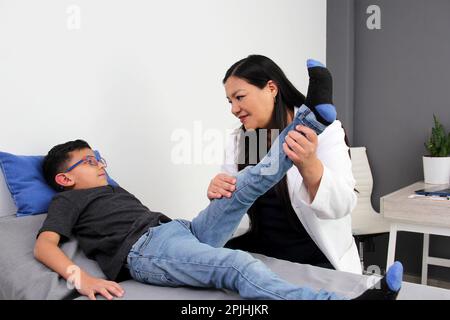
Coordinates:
<point>258,70</point>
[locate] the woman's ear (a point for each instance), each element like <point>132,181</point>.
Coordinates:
<point>273,88</point>
<point>64,180</point>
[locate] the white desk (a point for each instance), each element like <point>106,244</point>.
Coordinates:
<point>421,215</point>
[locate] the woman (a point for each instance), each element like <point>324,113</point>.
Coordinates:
<point>305,218</point>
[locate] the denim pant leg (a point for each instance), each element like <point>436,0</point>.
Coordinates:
<point>170,255</point>
<point>216,224</point>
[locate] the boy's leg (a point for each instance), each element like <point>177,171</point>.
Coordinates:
<point>216,224</point>
<point>169,255</point>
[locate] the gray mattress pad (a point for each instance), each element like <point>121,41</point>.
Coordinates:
<point>23,277</point>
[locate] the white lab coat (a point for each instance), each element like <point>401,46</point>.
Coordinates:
<point>327,219</point>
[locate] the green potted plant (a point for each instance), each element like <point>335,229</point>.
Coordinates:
<point>436,165</point>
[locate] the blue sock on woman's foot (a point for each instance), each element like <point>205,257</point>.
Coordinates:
<point>320,92</point>
<point>388,287</point>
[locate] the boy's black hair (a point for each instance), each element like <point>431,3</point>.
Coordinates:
<point>56,160</point>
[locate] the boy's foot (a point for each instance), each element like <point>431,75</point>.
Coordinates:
<point>320,92</point>
<point>388,287</point>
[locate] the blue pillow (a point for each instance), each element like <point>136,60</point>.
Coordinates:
<point>25,180</point>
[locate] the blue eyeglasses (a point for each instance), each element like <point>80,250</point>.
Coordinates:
<point>91,160</point>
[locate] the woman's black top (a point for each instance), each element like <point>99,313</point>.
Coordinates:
<point>277,232</point>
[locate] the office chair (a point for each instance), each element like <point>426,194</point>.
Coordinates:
<point>366,222</point>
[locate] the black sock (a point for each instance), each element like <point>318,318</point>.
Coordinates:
<point>379,291</point>
<point>320,92</point>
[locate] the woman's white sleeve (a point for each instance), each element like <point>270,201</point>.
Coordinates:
<point>229,165</point>
<point>335,197</point>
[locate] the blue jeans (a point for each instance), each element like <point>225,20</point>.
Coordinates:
<point>183,253</point>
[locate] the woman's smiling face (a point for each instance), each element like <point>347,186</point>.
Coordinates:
<point>252,105</point>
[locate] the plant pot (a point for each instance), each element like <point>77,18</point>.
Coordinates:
<point>436,170</point>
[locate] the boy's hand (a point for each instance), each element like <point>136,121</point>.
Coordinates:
<point>220,186</point>
<point>47,251</point>
<point>90,286</point>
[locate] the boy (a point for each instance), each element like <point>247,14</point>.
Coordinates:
<point>124,236</point>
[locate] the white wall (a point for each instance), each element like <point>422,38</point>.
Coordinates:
<point>136,71</point>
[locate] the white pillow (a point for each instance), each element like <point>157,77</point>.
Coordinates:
<point>7,206</point>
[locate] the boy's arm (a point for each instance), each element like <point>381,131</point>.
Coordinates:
<point>46,250</point>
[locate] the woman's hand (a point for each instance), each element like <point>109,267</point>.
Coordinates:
<point>301,149</point>
<point>220,186</point>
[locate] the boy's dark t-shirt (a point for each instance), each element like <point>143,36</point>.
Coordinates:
<point>107,221</point>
